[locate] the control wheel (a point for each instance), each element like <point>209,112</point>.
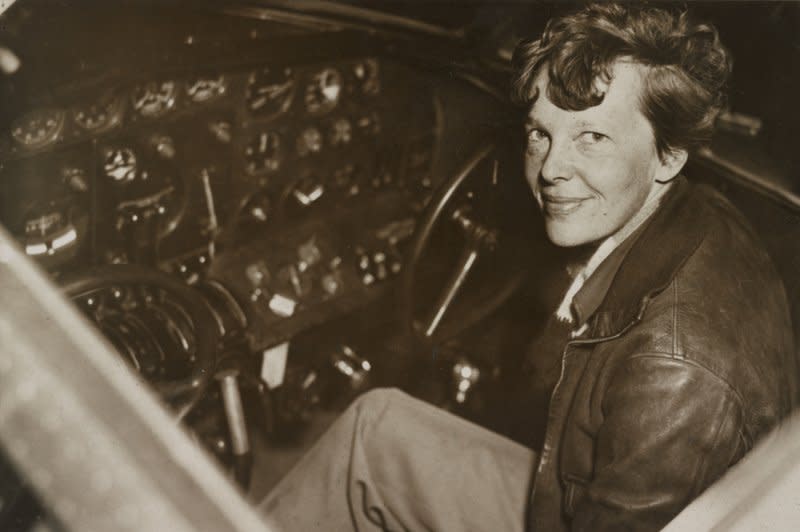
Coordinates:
<point>159,324</point>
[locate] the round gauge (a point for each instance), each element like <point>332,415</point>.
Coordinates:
<point>43,224</point>
<point>119,165</point>
<point>263,153</point>
<point>341,132</point>
<point>154,192</point>
<point>206,89</point>
<point>53,228</point>
<point>101,114</point>
<point>367,74</point>
<point>270,91</point>
<point>309,141</point>
<point>154,98</point>
<point>39,128</point>
<point>322,93</point>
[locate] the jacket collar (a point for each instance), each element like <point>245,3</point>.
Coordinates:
<point>591,295</point>
<point>652,258</point>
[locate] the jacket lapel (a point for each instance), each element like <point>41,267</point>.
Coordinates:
<point>668,240</point>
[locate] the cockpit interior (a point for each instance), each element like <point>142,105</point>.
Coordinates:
<point>267,211</point>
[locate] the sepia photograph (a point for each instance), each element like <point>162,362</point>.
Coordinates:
<point>399,265</point>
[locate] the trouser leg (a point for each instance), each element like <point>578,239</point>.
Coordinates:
<point>392,462</point>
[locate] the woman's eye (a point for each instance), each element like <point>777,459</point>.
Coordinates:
<point>536,135</point>
<point>592,137</point>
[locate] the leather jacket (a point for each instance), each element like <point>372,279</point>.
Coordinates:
<point>686,362</point>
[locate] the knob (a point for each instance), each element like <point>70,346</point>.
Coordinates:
<point>164,146</point>
<point>221,131</point>
<point>332,283</point>
<point>309,142</point>
<point>394,260</point>
<point>364,267</point>
<point>259,277</point>
<point>297,282</point>
<point>345,180</point>
<point>258,208</point>
<point>257,273</point>
<point>309,253</point>
<point>381,271</point>
<point>76,179</point>
<point>353,367</point>
<point>465,376</point>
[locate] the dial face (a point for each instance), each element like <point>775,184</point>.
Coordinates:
<point>150,190</point>
<point>43,224</point>
<point>101,114</point>
<point>206,88</point>
<point>39,128</point>
<point>119,165</point>
<point>323,92</point>
<point>270,92</point>
<point>309,141</point>
<point>53,228</point>
<point>154,98</point>
<point>341,132</point>
<point>263,153</point>
<point>367,74</point>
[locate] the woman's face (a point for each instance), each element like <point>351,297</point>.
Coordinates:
<point>592,170</point>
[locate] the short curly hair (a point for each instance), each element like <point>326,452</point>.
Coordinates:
<point>687,67</point>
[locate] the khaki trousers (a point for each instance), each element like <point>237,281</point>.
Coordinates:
<point>394,463</point>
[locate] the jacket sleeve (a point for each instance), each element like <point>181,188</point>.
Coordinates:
<point>670,429</point>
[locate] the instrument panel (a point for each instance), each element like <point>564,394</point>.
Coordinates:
<point>269,92</point>
<point>278,180</point>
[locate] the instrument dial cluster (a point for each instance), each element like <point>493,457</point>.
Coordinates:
<point>231,154</point>
<point>307,114</point>
<point>110,110</point>
<point>270,92</point>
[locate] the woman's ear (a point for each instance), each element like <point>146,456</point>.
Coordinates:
<point>670,164</point>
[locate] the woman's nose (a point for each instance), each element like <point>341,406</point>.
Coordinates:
<point>557,163</point>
